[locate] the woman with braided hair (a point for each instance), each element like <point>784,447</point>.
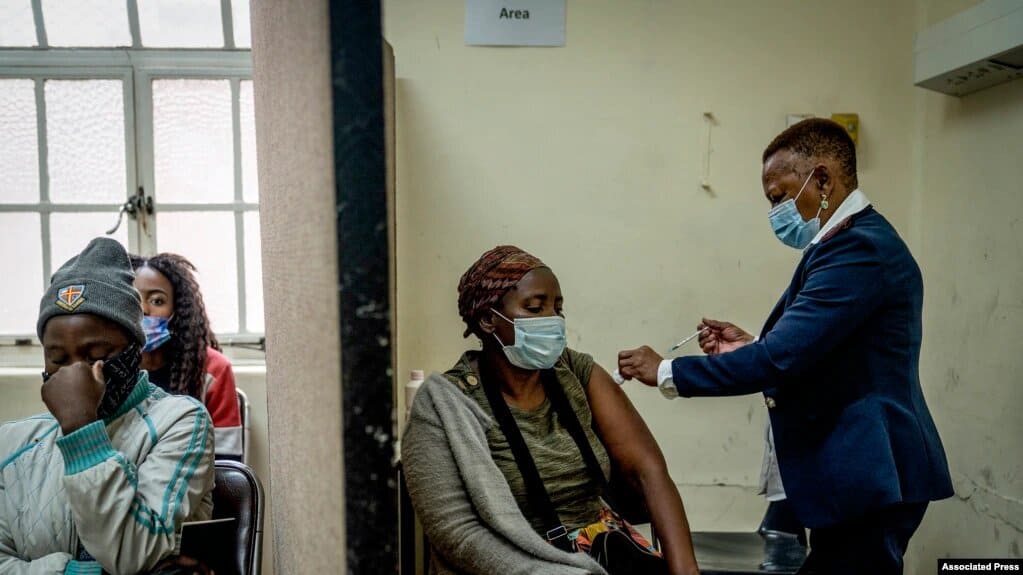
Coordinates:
<point>508,454</point>
<point>182,354</point>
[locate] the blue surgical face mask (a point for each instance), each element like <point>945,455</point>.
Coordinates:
<point>788,224</point>
<point>157,330</point>
<point>539,341</point>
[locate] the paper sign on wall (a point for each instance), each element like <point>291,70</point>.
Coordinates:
<point>515,22</point>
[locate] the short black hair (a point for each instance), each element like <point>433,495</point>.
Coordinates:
<point>818,138</point>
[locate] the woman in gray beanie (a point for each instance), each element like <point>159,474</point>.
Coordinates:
<point>105,479</point>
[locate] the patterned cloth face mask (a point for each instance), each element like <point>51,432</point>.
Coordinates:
<point>157,330</point>
<point>539,341</point>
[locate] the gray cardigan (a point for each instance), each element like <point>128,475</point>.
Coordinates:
<point>462,499</point>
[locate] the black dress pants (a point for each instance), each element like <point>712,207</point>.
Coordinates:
<point>870,545</point>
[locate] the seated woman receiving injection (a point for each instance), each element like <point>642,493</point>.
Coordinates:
<point>181,353</point>
<point>507,454</point>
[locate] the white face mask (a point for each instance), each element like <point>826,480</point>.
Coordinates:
<point>539,341</point>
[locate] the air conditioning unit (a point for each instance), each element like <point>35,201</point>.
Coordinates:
<point>973,50</point>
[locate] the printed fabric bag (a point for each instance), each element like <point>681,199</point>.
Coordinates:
<point>618,547</point>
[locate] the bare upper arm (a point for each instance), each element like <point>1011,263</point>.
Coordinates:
<point>625,435</point>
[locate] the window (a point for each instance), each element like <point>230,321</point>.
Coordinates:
<point>164,137</point>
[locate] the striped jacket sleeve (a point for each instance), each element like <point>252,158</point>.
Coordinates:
<point>127,515</point>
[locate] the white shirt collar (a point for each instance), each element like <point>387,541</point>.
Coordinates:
<point>854,203</point>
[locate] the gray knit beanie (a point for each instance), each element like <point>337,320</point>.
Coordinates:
<point>97,281</point>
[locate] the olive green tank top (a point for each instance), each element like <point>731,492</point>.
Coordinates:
<point>573,492</point>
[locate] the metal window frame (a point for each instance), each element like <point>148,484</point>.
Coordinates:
<point>37,16</point>
<point>137,68</point>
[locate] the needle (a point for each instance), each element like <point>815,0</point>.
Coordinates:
<point>687,340</point>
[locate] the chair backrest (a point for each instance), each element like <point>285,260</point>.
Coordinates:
<point>239,548</point>
<point>243,410</point>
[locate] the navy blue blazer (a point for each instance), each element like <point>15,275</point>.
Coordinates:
<point>838,363</point>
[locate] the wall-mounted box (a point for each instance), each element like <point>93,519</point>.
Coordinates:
<point>976,49</point>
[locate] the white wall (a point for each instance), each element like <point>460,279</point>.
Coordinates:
<point>590,157</point>
<point>970,209</point>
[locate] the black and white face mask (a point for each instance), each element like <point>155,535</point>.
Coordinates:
<point>120,374</point>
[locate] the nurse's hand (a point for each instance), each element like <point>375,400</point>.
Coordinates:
<point>721,336</point>
<point>640,363</point>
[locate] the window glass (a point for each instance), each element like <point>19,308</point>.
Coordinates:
<point>207,239</point>
<point>181,23</point>
<point>88,23</point>
<point>193,141</point>
<point>19,27</point>
<point>71,232</point>
<point>253,274</point>
<point>242,27</point>
<point>19,156</point>
<point>85,141</point>
<point>250,177</point>
<point>21,256</point>
<point>78,128</point>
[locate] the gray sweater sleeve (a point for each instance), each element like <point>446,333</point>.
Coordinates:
<point>461,498</point>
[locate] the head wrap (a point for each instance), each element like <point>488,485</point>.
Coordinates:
<point>487,280</point>
<point>97,281</point>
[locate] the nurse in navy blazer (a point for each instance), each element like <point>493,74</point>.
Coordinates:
<point>837,361</point>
